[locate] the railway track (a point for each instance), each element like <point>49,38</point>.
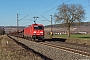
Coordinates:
<point>63,48</point>
<point>72,50</point>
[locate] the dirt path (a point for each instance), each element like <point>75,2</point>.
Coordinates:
<point>9,50</point>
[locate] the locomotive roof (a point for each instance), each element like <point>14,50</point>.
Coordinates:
<point>33,25</point>
<point>36,24</point>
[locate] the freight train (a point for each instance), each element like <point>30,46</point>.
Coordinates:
<point>33,32</point>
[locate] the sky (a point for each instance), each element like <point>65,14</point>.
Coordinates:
<point>27,9</point>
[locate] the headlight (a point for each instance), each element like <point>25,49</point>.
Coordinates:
<point>34,32</point>
<point>41,32</point>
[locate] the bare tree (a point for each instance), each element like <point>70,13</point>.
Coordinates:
<point>68,14</point>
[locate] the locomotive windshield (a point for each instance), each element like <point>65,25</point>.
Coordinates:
<point>38,27</point>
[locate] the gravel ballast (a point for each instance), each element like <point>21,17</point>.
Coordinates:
<point>52,53</point>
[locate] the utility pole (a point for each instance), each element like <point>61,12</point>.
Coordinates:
<point>51,33</point>
<point>17,21</point>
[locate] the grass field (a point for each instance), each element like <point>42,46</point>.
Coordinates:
<point>84,36</point>
<point>75,38</point>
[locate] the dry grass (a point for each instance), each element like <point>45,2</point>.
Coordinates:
<point>9,50</point>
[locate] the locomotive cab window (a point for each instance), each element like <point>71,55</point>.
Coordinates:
<point>38,27</point>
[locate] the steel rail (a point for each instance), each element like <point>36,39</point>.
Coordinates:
<point>73,50</point>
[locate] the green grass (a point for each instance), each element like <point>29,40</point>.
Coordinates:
<point>80,36</point>
<point>84,36</point>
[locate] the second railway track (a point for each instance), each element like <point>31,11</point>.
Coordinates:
<point>44,51</point>
<point>73,50</point>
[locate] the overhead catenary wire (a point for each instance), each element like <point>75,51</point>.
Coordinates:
<point>42,15</point>
<point>57,6</point>
<point>52,9</point>
<point>44,7</point>
<point>24,17</point>
<point>62,3</point>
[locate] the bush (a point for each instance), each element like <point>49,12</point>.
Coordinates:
<point>2,31</point>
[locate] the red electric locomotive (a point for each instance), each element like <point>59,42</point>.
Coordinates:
<point>34,31</point>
